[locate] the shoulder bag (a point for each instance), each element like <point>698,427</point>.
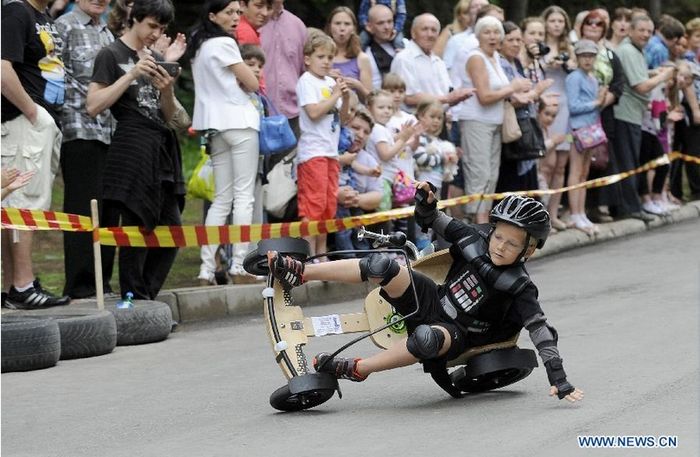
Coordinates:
<point>276,135</point>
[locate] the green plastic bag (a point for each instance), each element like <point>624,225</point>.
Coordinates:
<point>201,183</point>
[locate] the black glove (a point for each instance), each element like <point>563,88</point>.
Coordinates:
<point>425,213</point>
<point>557,377</point>
<point>564,389</point>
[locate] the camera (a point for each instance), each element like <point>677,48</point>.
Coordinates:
<point>543,48</point>
<point>563,56</point>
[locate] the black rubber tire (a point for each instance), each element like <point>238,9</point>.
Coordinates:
<point>283,400</point>
<point>147,322</point>
<point>29,343</point>
<point>255,262</point>
<point>84,332</point>
<point>494,369</point>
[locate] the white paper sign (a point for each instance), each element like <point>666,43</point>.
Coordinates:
<point>327,325</point>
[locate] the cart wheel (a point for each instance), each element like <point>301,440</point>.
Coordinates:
<point>304,392</point>
<point>255,262</point>
<point>494,369</point>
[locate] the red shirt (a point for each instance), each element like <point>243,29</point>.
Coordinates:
<point>246,34</point>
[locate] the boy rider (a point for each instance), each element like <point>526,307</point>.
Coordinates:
<point>487,267</point>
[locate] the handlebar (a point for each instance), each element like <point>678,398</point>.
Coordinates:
<point>395,239</point>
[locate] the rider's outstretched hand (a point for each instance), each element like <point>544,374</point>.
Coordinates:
<point>425,210</point>
<point>423,185</point>
<point>573,397</point>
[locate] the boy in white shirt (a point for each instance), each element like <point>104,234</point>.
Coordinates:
<point>323,106</point>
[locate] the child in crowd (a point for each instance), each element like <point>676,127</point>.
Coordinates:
<point>254,58</point>
<point>436,159</point>
<point>656,130</point>
<point>398,7</point>
<point>323,108</point>
<point>546,114</point>
<point>349,166</point>
<point>363,191</point>
<point>487,266</point>
<point>394,84</point>
<point>688,141</point>
<point>585,99</point>
<point>383,145</point>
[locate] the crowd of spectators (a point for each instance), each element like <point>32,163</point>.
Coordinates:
<point>89,93</point>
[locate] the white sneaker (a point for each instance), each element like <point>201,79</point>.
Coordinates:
<point>206,278</point>
<point>652,207</point>
<point>667,205</point>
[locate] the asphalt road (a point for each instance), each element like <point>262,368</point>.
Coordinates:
<point>627,315</point>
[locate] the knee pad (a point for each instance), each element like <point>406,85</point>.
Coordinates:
<point>425,342</point>
<point>379,266</point>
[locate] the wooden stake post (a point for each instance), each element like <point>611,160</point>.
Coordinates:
<point>97,254</point>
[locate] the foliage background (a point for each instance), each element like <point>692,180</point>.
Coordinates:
<point>314,12</point>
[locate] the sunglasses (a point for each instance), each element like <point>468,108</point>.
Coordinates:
<point>594,23</point>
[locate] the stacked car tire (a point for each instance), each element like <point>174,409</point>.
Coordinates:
<point>38,339</point>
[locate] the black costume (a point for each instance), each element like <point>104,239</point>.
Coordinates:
<point>478,303</point>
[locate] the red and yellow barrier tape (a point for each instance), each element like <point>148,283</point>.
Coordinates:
<point>199,235</point>
<point>25,219</point>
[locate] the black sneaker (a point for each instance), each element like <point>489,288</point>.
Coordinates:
<point>339,367</point>
<point>288,271</point>
<point>33,298</point>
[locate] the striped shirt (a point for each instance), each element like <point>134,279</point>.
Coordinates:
<point>82,39</point>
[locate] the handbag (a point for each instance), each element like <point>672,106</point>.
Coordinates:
<point>600,157</point>
<point>280,188</point>
<point>276,135</point>
<point>589,136</point>
<point>201,183</point>
<point>510,129</point>
<point>403,191</point>
<point>529,146</point>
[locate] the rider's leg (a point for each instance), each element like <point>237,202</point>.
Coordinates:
<point>349,271</point>
<point>397,356</point>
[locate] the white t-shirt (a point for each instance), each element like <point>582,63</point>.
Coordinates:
<point>367,183</point>
<point>404,159</point>
<point>219,101</point>
<point>318,138</point>
<point>381,134</point>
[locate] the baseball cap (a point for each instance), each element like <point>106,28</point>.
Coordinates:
<point>585,47</point>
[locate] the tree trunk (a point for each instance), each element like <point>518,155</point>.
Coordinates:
<point>515,10</point>
<point>655,9</point>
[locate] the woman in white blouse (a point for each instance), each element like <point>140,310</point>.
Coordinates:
<point>481,117</point>
<point>223,83</point>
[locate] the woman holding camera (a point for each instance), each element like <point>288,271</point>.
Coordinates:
<point>222,85</point>
<point>515,175</point>
<point>481,117</point>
